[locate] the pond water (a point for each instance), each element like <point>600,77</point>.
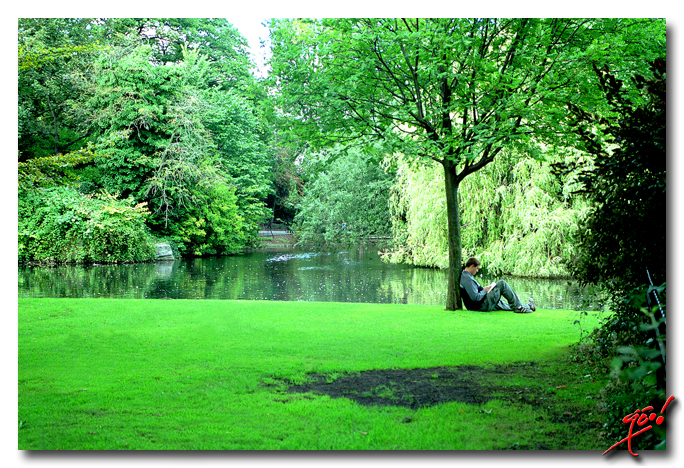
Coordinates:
<point>288,274</point>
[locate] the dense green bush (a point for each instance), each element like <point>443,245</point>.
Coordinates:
<point>61,225</point>
<point>631,345</point>
<point>622,241</point>
<point>211,226</point>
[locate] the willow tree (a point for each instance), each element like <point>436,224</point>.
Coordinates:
<point>456,91</point>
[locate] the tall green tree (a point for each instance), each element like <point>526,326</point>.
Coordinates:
<point>456,91</point>
<point>188,143</point>
<point>242,152</point>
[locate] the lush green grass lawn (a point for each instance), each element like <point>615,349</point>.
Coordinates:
<point>156,374</point>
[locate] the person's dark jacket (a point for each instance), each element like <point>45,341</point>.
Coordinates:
<point>472,293</point>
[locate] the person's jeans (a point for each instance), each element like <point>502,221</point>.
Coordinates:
<point>493,299</point>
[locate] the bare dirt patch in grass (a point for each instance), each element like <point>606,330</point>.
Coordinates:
<point>417,388</point>
<point>412,388</point>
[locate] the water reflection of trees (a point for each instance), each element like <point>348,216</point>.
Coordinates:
<point>427,286</point>
<point>554,294</point>
<point>357,275</point>
<point>422,286</point>
<point>130,281</point>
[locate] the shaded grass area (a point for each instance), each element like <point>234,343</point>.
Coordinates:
<point>189,375</point>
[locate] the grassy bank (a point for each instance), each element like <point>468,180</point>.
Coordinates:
<point>155,374</point>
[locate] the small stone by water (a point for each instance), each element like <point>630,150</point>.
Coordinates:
<point>162,251</point>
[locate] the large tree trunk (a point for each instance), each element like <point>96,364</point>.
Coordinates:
<point>451,182</point>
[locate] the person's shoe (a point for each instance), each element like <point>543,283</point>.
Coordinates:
<point>530,305</point>
<point>522,310</point>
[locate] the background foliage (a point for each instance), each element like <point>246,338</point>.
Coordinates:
<point>346,201</point>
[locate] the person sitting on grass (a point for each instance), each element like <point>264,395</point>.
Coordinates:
<point>475,297</point>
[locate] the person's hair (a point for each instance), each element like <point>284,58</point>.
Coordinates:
<point>472,261</point>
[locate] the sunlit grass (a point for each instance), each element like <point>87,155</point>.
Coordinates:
<point>155,374</point>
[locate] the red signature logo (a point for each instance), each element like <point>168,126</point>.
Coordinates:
<point>640,418</point>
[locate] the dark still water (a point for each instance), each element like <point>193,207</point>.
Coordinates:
<point>355,275</point>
